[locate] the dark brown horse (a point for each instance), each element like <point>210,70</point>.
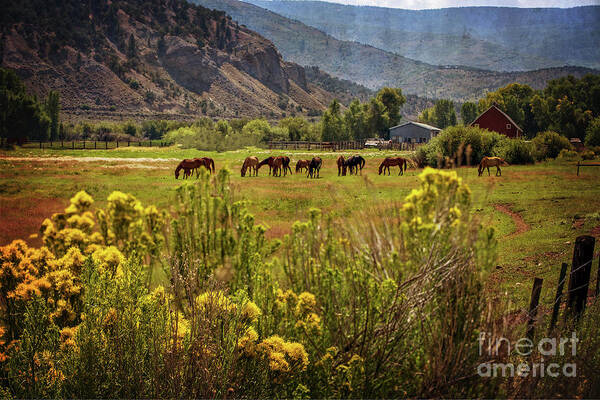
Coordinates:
<point>187,166</point>
<point>286,165</point>
<point>392,162</point>
<point>315,167</point>
<point>340,164</point>
<point>302,164</point>
<point>210,164</point>
<point>205,162</point>
<point>267,161</point>
<point>252,163</point>
<point>355,163</point>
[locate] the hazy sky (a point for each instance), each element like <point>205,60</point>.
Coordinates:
<point>423,4</point>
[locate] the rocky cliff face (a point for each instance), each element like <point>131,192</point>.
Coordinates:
<point>140,58</point>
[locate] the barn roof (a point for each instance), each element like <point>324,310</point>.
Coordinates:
<point>425,126</point>
<point>501,112</point>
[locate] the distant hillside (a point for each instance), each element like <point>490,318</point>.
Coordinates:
<point>373,67</point>
<point>496,38</point>
<point>139,58</point>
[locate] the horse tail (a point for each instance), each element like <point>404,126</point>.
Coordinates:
<point>405,164</point>
<point>212,164</point>
<point>362,162</point>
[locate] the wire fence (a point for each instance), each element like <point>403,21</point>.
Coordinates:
<point>91,144</point>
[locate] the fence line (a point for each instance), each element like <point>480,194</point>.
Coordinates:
<point>342,145</point>
<point>90,144</point>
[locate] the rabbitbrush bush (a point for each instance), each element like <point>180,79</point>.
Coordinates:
<point>128,301</point>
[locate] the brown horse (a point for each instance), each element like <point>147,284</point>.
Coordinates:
<point>392,162</point>
<point>277,166</point>
<point>487,162</point>
<point>188,166</point>
<point>302,164</point>
<point>267,161</point>
<point>286,165</point>
<point>209,164</point>
<point>315,167</point>
<point>340,164</point>
<point>252,163</point>
<point>206,163</point>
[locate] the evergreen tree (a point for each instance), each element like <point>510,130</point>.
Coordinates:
<point>52,107</point>
<point>468,112</point>
<point>332,125</point>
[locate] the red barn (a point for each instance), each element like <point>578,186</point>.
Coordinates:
<point>494,119</point>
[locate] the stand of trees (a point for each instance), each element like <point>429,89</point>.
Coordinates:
<point>22,116</point>
<point>363,120</point>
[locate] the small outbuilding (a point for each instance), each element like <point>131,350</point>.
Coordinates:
<point>413,132</point>
<point>496,120</point>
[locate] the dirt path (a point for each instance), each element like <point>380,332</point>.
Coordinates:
<point>92,159</point>
<point>521,225</point>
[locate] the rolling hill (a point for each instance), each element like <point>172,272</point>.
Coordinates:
<point>373,67</point>
<point>495,38</point>
<point>135,59</point>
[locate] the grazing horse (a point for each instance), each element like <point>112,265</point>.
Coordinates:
<point>209,164</point>
<point>187,166</point>
<point>286,165</point>
<point>315,167</point>
<point>267,161</point>
<point>340,165</point>
<point>277,166</point>
<point>252,163</point>
<point>302,164</point>
<point>354,163</point>
<point>204,162</point>
<point>392,162</point>
<point>487,162</point>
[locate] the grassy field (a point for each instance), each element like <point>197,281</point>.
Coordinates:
<point>537,210</point>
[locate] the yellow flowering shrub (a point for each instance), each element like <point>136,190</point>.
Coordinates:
<point>283,357</point>
<point>108,259</point>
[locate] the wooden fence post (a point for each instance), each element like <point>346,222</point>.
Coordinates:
<point>533,305</point>
<point>73,145</point>
<point>598,279</point>
<point>41,146</point>
<point>94,145</point>
<point>558,297</point>
<point>106,144</point>
<point>84,144</point>
<point>577,168</point>
<point>581,269</point>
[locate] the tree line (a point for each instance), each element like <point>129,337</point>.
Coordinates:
<point>567,105</point>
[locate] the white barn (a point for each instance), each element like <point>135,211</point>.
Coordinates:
<point>413,132</point>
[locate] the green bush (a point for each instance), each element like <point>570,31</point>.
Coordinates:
<point>205,135</point>
<point>516,151</point>
<point>592,133</point>
<point>568,155</point>
<point>466,145</point>
<point>549,145</point>
<point>588,155</point>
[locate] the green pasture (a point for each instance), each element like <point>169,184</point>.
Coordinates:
<point>554,203</point>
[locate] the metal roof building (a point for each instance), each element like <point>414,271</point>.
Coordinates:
<point>413,132</point>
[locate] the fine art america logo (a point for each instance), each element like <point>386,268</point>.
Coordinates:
<point>546,347</point>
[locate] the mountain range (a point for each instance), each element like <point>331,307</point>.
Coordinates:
<point>374,67</point>
<point>218,58</point>
<point>494,38</point>
<point>165,58</point>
